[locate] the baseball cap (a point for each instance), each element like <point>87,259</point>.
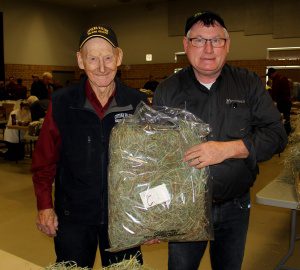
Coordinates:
<point>270,71</point>
<point>207,17</point>
<point>101,31</point>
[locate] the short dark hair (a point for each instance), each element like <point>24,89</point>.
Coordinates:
<point>208,18</point>
<point>270,71</point>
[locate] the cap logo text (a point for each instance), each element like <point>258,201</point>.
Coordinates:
<point>97,30</point>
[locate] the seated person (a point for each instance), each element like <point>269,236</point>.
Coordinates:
<point>38,108</point>
<point>151,84</point>
<point>13,137</point>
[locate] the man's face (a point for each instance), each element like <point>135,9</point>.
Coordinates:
<point>207,61</point>
<point>100,61</point>
<point>272,75</point>
<point>47,80</point>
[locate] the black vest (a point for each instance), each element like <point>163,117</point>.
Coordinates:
<point>81,181</point>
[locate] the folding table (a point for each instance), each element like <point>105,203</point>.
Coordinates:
<point>282,194</point>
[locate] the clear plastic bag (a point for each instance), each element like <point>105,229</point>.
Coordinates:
<point>153,194</point>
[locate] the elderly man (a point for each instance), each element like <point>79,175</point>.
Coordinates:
<point>73,149</point>
<point>246,129</point>
<point>43,89</point>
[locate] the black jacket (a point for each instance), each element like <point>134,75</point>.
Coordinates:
<point>39,89</point>
<point>237,106</point>
<point>38,109</point>
<point>81,182</point>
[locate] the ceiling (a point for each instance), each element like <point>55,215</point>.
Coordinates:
<point>87,4</point>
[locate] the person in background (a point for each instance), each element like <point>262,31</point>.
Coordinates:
<point>20,90</point>
<point>149,88</point>
<point>43,88</point>
<point>73,149</point>
<point>11,88</point>
<point>3,94</point>
<point>151,84</point>
<point>13,137</point>
<point>57,85</point>
<point>245,129</point>
<point>281,94</point>
<point>35,80</point>
<point>38,108</point>
<point>269,85</point>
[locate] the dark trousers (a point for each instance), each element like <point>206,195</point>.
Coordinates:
<point>285,109</point>
<point>78,243</point>
<point>230,222</point>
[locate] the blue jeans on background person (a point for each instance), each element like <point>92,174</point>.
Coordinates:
<point>230,223</point>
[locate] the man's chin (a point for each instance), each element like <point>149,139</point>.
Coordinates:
<point>102,83</point>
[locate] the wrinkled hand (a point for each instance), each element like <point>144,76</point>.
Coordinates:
<point>47,222</point>
<point>152,241</point>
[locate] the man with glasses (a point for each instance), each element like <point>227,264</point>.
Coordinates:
<point>246,129</point>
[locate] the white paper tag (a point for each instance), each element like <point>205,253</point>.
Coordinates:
<point>156,195</point>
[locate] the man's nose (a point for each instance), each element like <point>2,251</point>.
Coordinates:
<point>101,65</point>
<point>208,48</point>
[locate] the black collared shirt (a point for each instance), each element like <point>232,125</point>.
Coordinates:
<point>236,107</point>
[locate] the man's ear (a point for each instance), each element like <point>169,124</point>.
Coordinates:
<point>79,60</point>
<point>119,56</point>
<point>185,43</point>
<point>227,45</point>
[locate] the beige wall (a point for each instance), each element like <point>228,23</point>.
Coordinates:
<point>49,36</point>
<point>39,34</point>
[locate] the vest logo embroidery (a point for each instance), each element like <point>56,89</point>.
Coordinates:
<point>120,116</point>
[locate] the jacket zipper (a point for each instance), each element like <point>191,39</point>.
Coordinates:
<point>89,141</point>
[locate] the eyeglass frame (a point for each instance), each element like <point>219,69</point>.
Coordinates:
<point>206,40</point>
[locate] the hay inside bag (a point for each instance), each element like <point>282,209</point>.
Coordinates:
<point>153,194</point>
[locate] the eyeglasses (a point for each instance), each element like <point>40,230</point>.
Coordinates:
<point>215,42</point>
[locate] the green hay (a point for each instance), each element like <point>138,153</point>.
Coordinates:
<point>70,265</point>
<point>131,264</point>
<point>145,155</point>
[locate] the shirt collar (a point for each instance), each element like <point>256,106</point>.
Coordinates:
<point>92,98</point>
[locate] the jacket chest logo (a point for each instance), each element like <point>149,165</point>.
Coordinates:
<point>231,101</point>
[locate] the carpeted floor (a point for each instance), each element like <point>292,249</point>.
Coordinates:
<point>267,242</point>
